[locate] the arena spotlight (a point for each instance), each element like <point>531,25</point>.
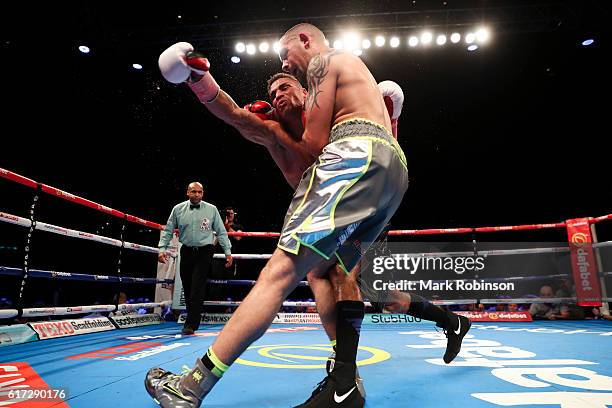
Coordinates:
<point>137,66</point>
<point>588,42</point>
<point>379,41</point>
<point>470,38</point>
<point>482,35</point>
<point>264,47</point>
<point>472,47</point>
<point>240,47</point>
<point>84,49</point>
<point>365,44</point>
<point>441,39</point>
<point>394,42</point>
<point>455,38</point>
<point>358,52</point>
<point>413,41</point>
<point>426,37</point>
<point>350,40</point>
<point>250,49</point>
<point>276,46</point>
<point>338,44</point>
<point>235,59</point>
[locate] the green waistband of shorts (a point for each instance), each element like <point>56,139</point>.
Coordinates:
<point>359,128</point>
<point>353,121</point>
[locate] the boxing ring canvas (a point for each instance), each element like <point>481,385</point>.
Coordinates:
<point>545,363</point>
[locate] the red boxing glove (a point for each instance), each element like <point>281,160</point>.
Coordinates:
<point>389,105</point>
<point>262,109</point>
<point>198,64</point>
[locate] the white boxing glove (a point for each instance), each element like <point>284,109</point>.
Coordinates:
<point>180,63</point>
<point>394,97</point>
<point>394,100</point>
<point>172,63</point>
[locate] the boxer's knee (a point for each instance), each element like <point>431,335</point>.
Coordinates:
<point>279,273</point>
<point>284,271</point>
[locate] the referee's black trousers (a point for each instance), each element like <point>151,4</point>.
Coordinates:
<point>195,265</point>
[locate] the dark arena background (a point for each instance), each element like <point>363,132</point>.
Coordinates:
<point>503,125</point>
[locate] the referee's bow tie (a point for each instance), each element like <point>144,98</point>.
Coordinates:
<point>192,206</point>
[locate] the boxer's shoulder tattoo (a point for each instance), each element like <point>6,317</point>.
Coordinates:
<point>317,70</point>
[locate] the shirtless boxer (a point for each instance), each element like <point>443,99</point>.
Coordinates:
<point>293,240</point>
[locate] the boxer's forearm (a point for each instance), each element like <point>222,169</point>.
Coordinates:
<point>248,124</point>
<point>225,108</point>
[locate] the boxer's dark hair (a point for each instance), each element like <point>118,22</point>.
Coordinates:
<point>278,76</point>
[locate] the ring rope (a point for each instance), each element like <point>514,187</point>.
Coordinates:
<point>60,311</point>
<point>24,222</point>
<point>9,175</point>
<point>39,273</point>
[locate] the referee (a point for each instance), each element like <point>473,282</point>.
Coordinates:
<point>196,220</point>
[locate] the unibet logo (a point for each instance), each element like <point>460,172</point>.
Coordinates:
<point>302,357</point>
